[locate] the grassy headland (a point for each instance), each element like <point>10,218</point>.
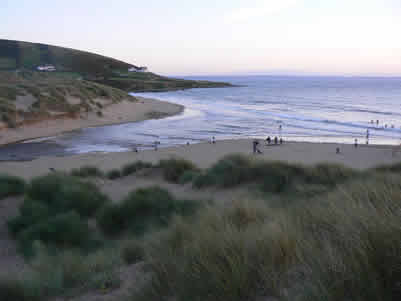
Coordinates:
<point>150,82</point>
<point>16,55</point>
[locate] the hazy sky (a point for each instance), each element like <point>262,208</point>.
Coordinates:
<point>183,37</point>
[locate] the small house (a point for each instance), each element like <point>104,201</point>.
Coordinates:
<point>46,68</point>
<point>138,69</point>
<point>143,69</point>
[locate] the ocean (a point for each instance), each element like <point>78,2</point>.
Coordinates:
<point>312,109</point>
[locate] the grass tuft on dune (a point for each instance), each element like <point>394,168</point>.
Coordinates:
<point>55,211</point>
<point>174,168</point>
<point>11,185</point>
<point>141,210</point>
<point>272,176</point>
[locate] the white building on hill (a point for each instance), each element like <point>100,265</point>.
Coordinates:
<point>48,68</point>
<point>138,69</point>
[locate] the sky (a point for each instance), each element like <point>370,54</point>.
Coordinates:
<point>219,37</point>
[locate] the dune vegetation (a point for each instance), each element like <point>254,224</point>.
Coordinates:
<point>29,96</point>
<point>323,232</point>
<point>10,186</point>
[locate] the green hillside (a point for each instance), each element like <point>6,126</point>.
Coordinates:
<point>16,55</point>
<point>23,55</point>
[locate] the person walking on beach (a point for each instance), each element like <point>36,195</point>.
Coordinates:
<point>275,140</point>
<point>213,140</point>
<point>367,136</point>
<point>268,140</point>
<point>280,128</point>
<point>356,143</point>
<point>256,150</point>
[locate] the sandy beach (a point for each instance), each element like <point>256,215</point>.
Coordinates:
<point>205,154</point>
<point>125,111</point>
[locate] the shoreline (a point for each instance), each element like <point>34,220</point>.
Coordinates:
<point>205,154</point>
<point>114,114</point>
<point>226,85</point>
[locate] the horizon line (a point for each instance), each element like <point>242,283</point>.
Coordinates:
<point>295,74</point>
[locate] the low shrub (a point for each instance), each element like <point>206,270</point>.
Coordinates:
<point>65,230</point>
<point>188,176</point>
<point>31,212</point>
<point>131,168</point>
<point>55,211</point>
<point>62,192</point>
<point>147,207</point>
<point>204,179</point>
<point>111,219</point>
<point>11,185</point>
<point>87,171</point>
<point>17,290</point>
<point>173,169</point>
<point>142,209</point>
<point>274,176</point>
<point>230,171</point>
<point>277,177</point>
<point>113,174</point>
<point>132,251</point>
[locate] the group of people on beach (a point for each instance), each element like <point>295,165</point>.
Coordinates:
<point>274,141</point>
<point>385,125</point>
<point>279,140</point>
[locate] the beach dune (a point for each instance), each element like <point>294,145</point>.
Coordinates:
<point>124,111</point>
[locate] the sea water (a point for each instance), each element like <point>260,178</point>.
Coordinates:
<point>313,109</point>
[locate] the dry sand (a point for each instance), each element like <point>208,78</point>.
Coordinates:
<point>125,111</point>
<point>205,154</point>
